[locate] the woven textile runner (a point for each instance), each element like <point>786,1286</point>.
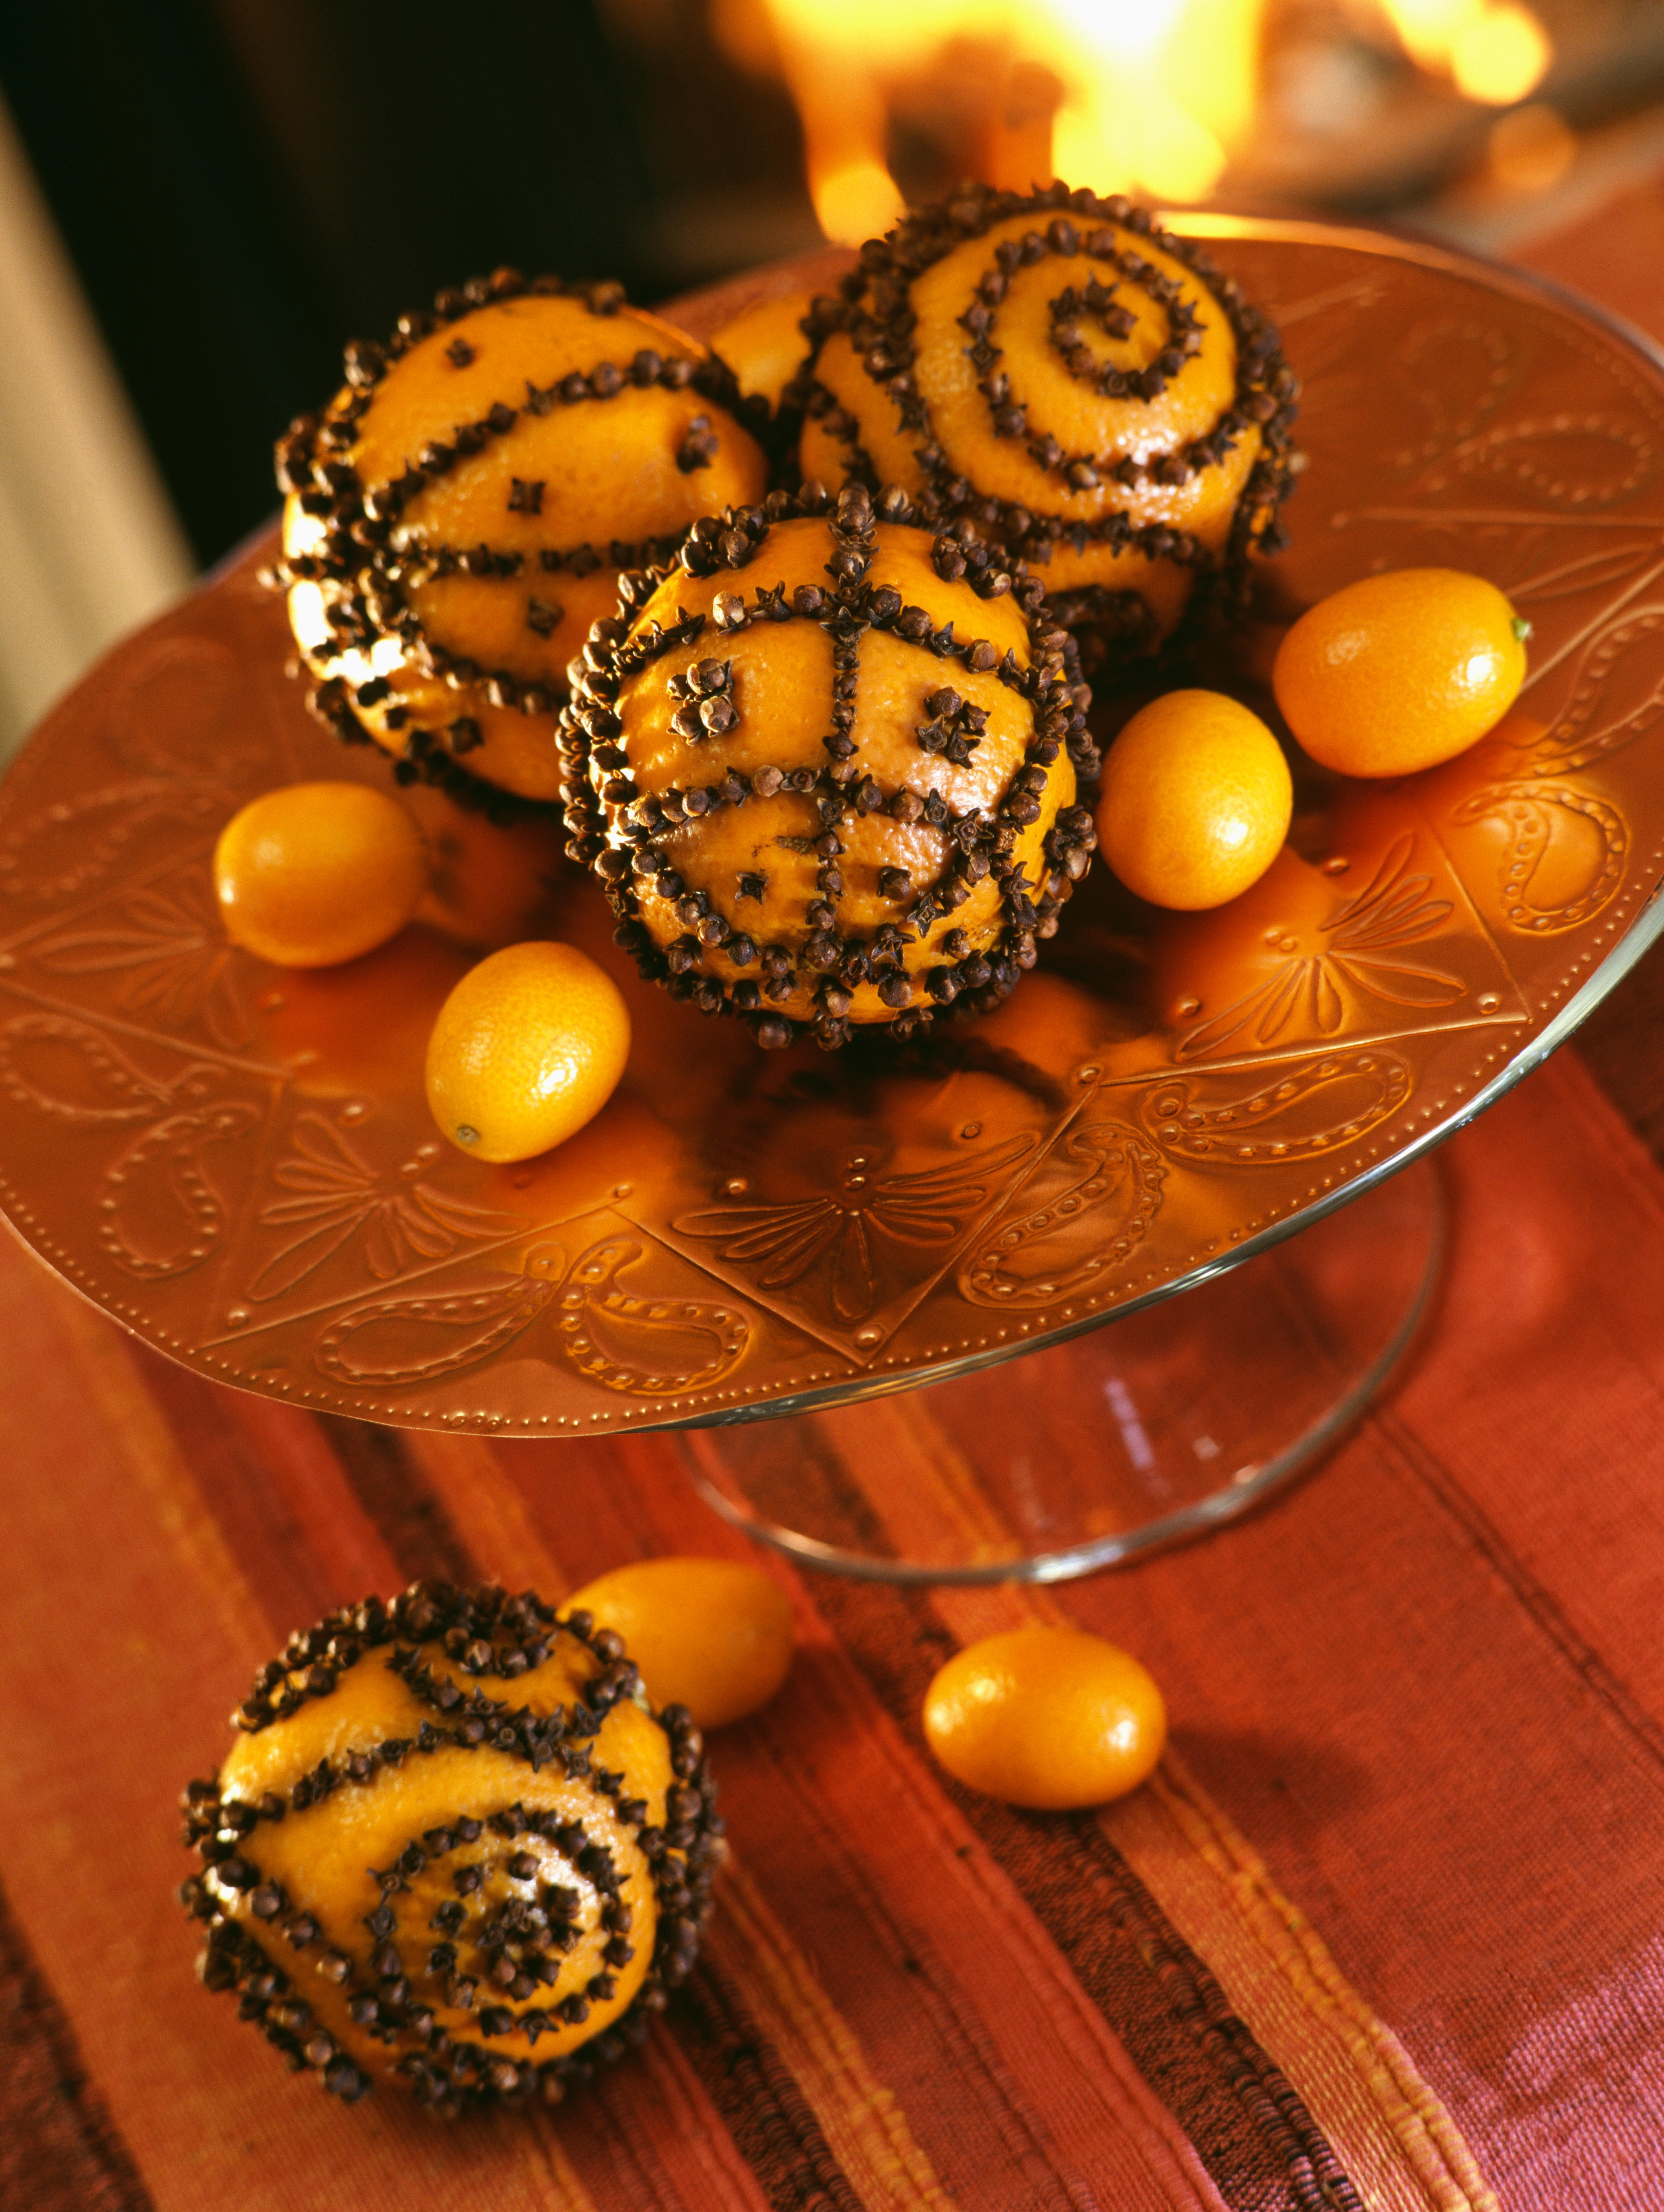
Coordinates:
<point>1384,1931</point>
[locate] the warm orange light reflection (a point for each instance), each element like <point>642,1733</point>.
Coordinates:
<point>1501,57</point>
<point>1149,97</point>
<point>857,199</point>
<point>1152,94</point>
<point>1530,150</point>
<point>1495,50</point>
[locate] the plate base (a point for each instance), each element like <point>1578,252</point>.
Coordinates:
<point>1157,1428</point>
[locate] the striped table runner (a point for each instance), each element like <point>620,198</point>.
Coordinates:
<point>1384,1931</point>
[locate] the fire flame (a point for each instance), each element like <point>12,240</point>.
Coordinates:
<point>1142,96</point>
<point>1495,50</point>
<point>1133,105</point>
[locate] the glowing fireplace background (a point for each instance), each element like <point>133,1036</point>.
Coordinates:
<point>1468,114</point>
<point>241,185</point>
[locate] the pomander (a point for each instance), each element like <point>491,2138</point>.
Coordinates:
<point>1088,388</point>
<point>826,765</point>
<point>453,1847</point>
<point>458,515</point>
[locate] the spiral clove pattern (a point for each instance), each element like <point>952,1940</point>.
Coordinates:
<point>453,1847</point>
<point>1086,387</point>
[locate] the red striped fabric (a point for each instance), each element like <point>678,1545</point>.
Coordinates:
<point>1383,1931</point>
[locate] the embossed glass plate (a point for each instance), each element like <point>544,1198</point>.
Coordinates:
<point>238,1163</point>
<point>1167,1424</point>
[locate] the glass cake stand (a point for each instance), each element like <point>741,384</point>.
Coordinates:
<point>1161,1426</point>
<point>238,1164</point>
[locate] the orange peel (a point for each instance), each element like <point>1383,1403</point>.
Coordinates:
<point>452,1848</point>
<point>456,516</point>
<point>1090,388</point>
<point>826,768</point>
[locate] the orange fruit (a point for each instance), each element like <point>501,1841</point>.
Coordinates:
<point>713,1635</point>
<point>755,866</point>
<point>528,1046</point>
<point>318,873</point>
<point>1400,672</point>
<point>764,344</point>
<point>1050,1717</point>
<point>1196,800</point>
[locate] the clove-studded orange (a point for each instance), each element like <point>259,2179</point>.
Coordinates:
<point>1088,387</point>
<point>826,765</point>
<point>459,514</point>
<point>453,1847</point>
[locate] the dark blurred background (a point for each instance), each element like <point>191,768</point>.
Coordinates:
<point>243,185</point>
<point>240,185</point>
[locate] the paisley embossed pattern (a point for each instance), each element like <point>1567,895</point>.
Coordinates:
<point>1305,1110</point>
<point>162,1174</point>
<point>73,1071</point>
<point>1111,1185</point>
<point>434,1336</point>
<point>1531,811</point>
<point>629,1342</point>
<point>1617,696</point>
<point>74,845</point>
<point>243,1169</point>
